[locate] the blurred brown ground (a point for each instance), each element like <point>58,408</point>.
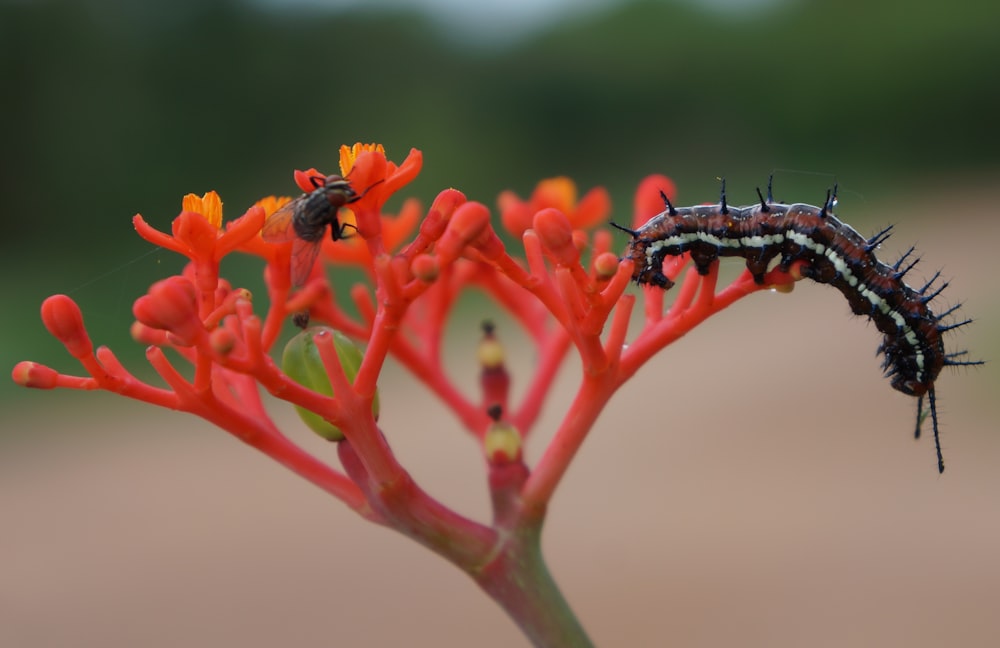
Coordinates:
<point>755,485</point>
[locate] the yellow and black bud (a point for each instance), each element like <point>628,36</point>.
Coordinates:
<point>502,441</point>
<point>493,377</point>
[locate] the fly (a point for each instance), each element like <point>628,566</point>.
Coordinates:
<point>304,221</point>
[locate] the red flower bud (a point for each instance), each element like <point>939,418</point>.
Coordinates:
<point>32,374</point>
<point>556,234</point>
<point>222,341</point>
<point>469,222</point>
<point>63,319</point>
<point>171,305</point>
<point>425,268</point>
<point>605,265</point>
<point>489,244</point>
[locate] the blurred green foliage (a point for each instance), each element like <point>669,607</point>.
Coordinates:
<point>113,107</point>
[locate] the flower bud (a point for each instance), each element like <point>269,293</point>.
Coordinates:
<point>502,443</point>
<point>556,234</point>
<point>434,224</point>
<point>171,305</point>
<point>222,341</point>
<point>489,245</point>
<point>494,379</point>
<point>468,223</point>
<point>63,319</point>
<point>605,265</point>
<point>490,351</point>
<point>302,363</point>
<point>32,374</point>
<point>425,268</point>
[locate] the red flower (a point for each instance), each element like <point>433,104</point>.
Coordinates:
<point>558,193</point>
<point>648,198</point>
<point>197,231</point>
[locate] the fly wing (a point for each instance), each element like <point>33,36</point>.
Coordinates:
<point>279,226</point>
<point>304,256</point>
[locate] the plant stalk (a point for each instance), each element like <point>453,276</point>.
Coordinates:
<point>520,582</point>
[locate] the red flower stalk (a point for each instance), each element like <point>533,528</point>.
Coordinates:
<point>564,285</point>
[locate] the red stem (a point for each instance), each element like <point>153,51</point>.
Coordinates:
<point>412,512</point>
<point>261,434</point>
<point>594,392</point>
<point>659,334</point>
<point>553,351</point>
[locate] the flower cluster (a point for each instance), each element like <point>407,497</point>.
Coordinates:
<point>564,285</point>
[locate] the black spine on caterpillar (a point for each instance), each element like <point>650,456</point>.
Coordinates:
<point>835,254</point>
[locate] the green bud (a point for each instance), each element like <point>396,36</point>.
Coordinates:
<point>301,362</point>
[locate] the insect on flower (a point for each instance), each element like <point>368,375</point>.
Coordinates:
<point>304,220</point>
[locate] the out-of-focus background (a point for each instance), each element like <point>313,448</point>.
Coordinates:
<point>754,486</point>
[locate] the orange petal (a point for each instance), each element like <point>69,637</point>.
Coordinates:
<point>209,206</point>
<point>349,155</point>
<point>593,208</point>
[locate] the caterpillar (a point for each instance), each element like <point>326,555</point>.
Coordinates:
<point>833,253</point>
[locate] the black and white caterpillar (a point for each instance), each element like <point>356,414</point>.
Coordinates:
<point>833,253</point>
